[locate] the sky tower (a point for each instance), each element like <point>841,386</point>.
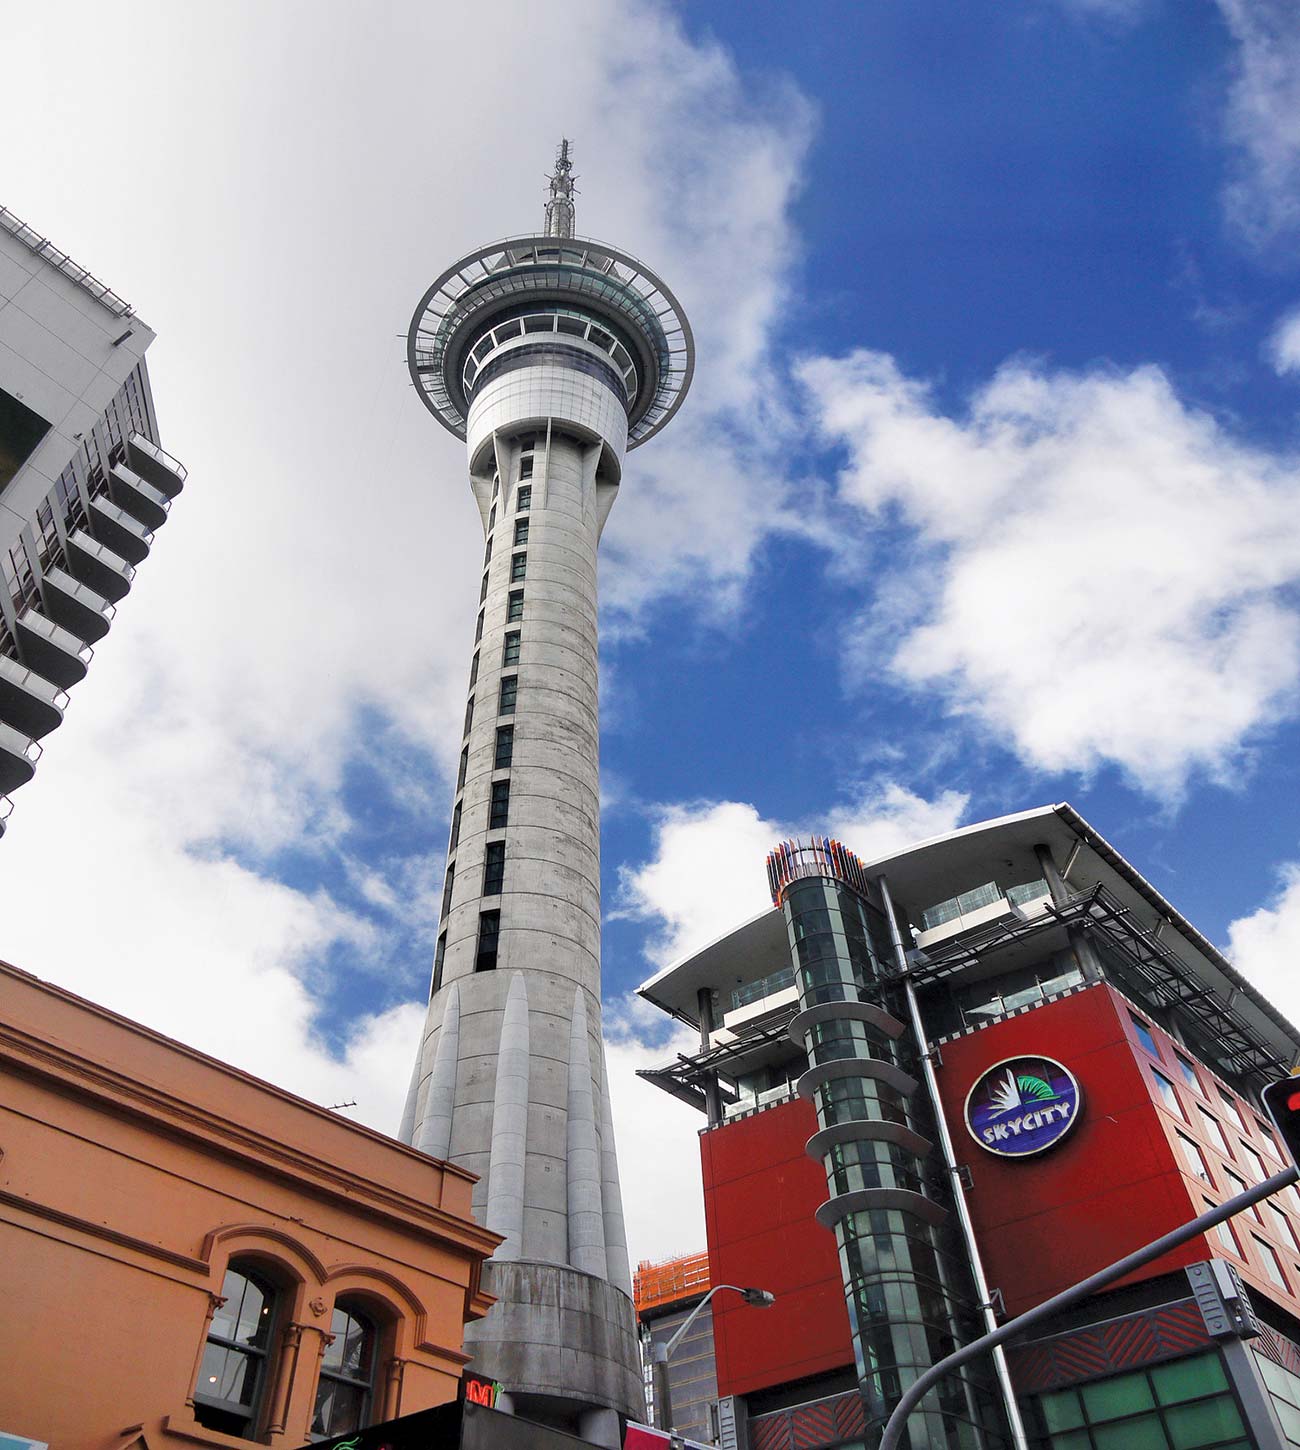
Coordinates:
<point>551,356</point>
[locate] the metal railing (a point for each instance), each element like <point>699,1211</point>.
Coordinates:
<point>45,249</point>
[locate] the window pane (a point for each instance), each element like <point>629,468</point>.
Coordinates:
<point>510,655</point>
<point>1145,1433</point>
<point>499,814</point>
<point>1168,1093</point>
<point>1123,1395</point>
<point>1272,1264</point>
<point>246,1315</point>
<point>339,1408</point>
<point>505,746</point>
<point>1213,1131</point>
<point>1061,1410</point>
<point>228,1374</point>
<point>518,568</point>
<point>1187,1072</point>
<point>525,498</point>
<point>1188,1379</point>
<point>1144,1035</point>
<point>1203,1424</point>
<point>521,532</point>
<point>515,609</point>
<point>1233,1111</point>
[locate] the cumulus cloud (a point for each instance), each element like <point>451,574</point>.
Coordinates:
<point>1101,573</point>
<point>1266,944</point>
<point>1263,118</point>
<point>1284,344</point>
<point>706,873</point>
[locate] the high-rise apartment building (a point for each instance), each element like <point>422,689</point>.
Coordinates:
<point>84,484</point>
<point>944,1085</point>
<point>551,356</point>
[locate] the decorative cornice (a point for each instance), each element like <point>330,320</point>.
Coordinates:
<point>102,1231</point>
<point>220,1137</point>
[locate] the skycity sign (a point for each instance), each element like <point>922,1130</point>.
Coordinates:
<point>1022,1106</point>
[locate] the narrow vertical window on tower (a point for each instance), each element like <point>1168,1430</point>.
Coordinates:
<point>518,568</point>
<point>510,652</point>
<point>509,694</point>
<point>439,956</point>
<point>526,466</point>
<point>473,670</point>
<point>464,768</point>
<point>489,932</point>
<point>524,501</point>
<point>494,868</point>
<point>469,714</point>
<point>478,628</point>
<point>499,811</point>
<point>496,484</point>
<point>492,518</point>
<point>515,606</point>
<point>482,593</point>
<point>447,882</point>
<point>455,828</point>
<point>487,552</point>
<point>505,746</point>
<point>521,532</point>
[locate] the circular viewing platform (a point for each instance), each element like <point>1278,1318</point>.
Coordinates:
<point>628,313</point>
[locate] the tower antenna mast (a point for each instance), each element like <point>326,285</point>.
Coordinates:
<point>559,205</point>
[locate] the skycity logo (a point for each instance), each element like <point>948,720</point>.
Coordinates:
<point>1022,1106</point>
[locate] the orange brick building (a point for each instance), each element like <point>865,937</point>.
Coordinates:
<point>190,1256</point>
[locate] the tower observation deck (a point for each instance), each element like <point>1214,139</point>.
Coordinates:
<point>551,356</point>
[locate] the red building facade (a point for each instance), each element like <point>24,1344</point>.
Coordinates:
<point>1168,1047</point>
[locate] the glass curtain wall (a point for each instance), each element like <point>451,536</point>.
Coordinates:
<point>906,1278</point>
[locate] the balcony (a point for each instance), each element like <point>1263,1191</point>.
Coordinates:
<point>77,608</point>
<point>98,568</point>
<point>30,704</point>
<point>6,810</point>
<point>53,652</point>
<point>115,527</point>
<point>18,757</point>
<point>140,499</point>
<point>154,465</point>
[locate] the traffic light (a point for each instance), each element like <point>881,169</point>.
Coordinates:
<point>1282,1099</point>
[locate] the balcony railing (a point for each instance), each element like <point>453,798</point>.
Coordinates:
<point>28,701</point>
<point>75,606</point>
<point>127,536</point>
<point>98,567</point>
<point>18,757</point>
<point>155,465</point>
<point>140,499</point>
<point>55,652</point>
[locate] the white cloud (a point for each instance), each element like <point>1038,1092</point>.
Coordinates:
<point>1263,118</point>
<point>1265,945</point>
<point>1284,344</point>
<point>1099,572</point>
<point>707,871</point>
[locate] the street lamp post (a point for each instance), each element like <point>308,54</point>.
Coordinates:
<point>759,1298</point>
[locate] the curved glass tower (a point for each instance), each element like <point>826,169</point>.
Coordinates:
<point>907,1280</point>
<point>551,356</point>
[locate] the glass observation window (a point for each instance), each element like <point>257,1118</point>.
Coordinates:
<point>232,1373</point>
<point>345,1388</point>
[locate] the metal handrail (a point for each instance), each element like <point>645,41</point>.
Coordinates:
<point>28,679</point>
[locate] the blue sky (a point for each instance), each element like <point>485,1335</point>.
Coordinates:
<point>985,494</point>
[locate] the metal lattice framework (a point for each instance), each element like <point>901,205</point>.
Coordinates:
<point>600,279</point>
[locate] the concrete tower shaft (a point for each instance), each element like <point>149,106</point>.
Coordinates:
<point>550,356</point>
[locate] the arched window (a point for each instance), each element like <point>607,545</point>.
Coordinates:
<point>233,1373</point>
<point>345,1393</point>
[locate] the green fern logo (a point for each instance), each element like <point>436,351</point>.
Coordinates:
<point>1034,1087</point>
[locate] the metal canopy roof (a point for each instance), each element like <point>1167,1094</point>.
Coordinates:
<point>1001,849</point>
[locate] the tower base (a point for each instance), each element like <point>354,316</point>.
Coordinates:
<point>561,1343</point>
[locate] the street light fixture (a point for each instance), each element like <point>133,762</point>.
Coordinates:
<point>759,1298</point>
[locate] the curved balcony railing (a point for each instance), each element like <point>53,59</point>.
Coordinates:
<point>18,757</point>
<point>29,702</point>
<point>97,567</point>
<point>56,654</point>
<point>75,606</point>
<point>125,535</point>
<point>140,499</point>
<point>155,465</point>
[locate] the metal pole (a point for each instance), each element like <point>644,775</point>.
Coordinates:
<point>1018,1438</point>
<point>659,1352</point>
<point>916,1392</point>
<point>662,1389</point>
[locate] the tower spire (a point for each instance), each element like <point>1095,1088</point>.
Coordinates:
<point>559,206</point>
